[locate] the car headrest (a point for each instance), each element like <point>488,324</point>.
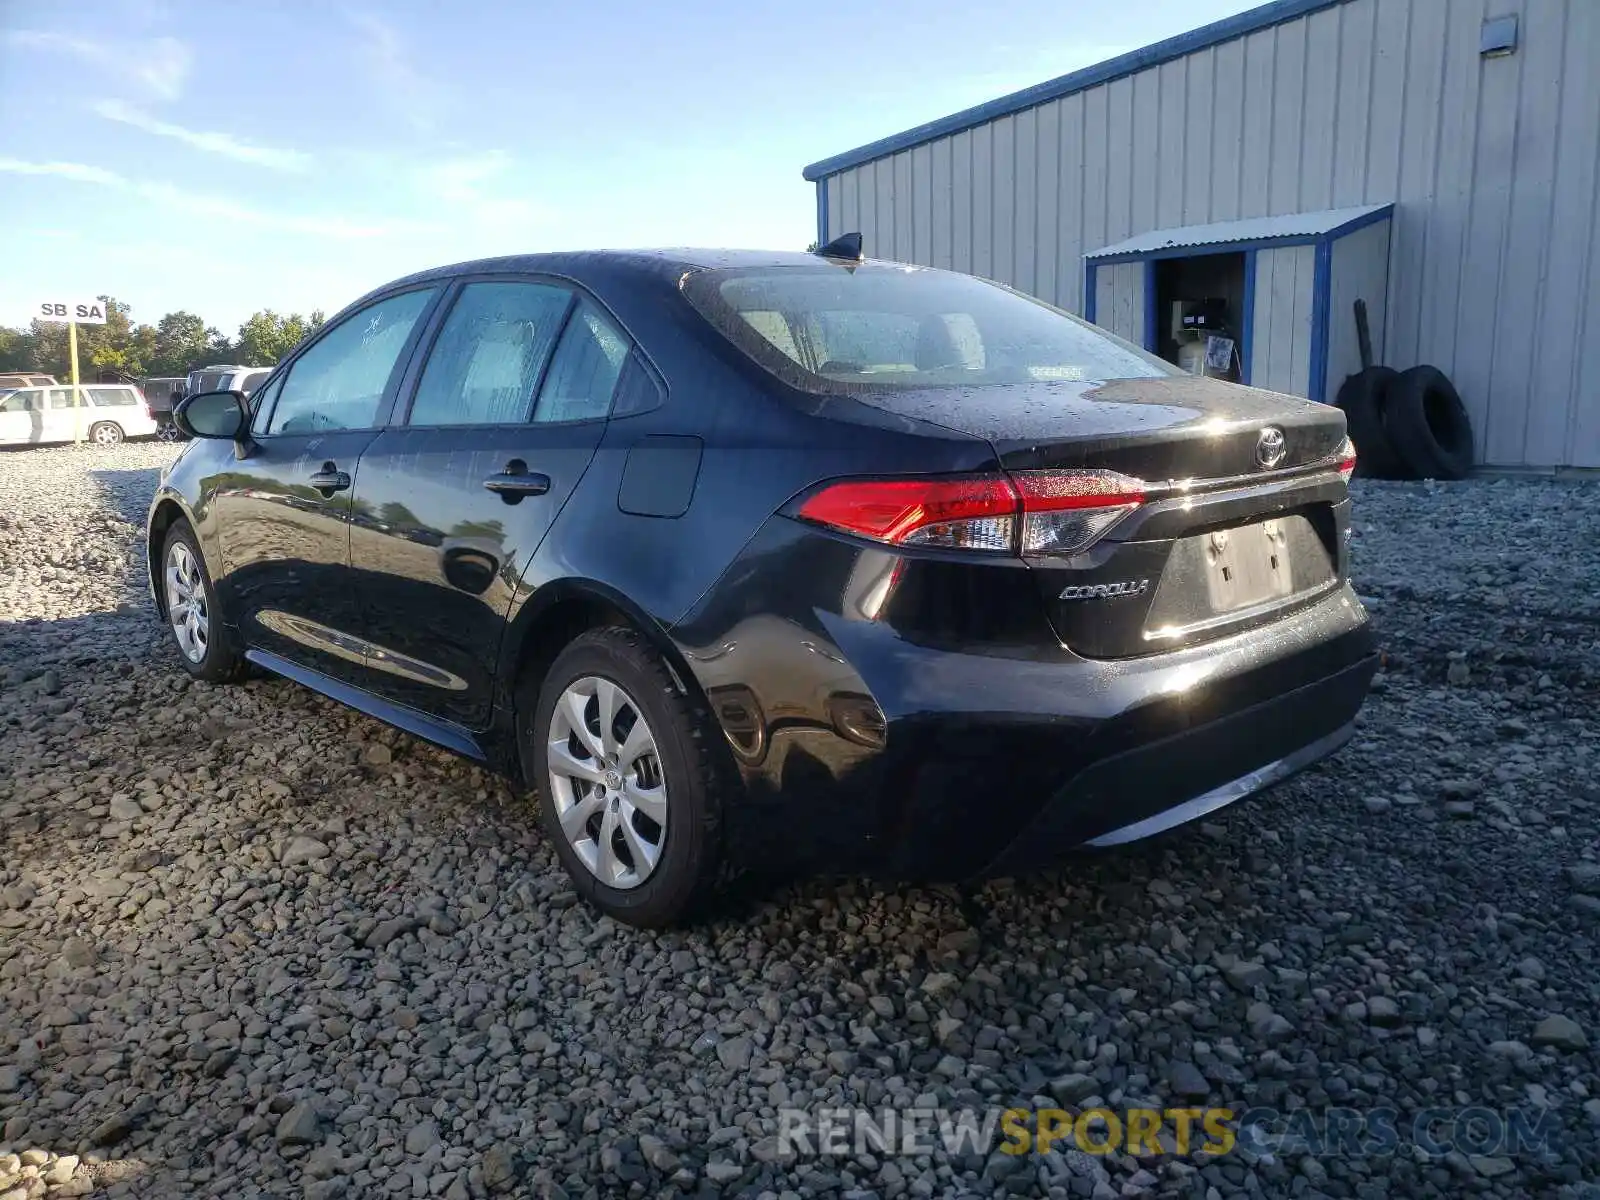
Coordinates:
<point>935,347</point>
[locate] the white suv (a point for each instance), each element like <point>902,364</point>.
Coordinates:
<point>105,413</point>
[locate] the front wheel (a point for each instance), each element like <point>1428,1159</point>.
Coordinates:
<point>628,790</point>
<point>105,433</point>
<point>191,608</point>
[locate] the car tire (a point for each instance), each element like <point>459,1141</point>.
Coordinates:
<point>1361,398</point>
<point>604,839</point>
<point>201,636</point>
<point>1428,425</point>
<point>105,433</point>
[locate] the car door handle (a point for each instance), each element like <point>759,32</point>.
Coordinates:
<point>516,481</point>
<point>330,479</point>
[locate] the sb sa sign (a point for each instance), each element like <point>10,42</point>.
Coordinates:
<point>84,312</point>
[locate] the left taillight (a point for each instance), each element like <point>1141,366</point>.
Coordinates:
<point>1029,513</point>
<point>968,513</point>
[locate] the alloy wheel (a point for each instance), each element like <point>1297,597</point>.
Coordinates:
<point>606,782</point>
<point>107,435</point>
<point>186,603</point>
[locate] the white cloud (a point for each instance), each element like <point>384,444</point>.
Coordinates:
<point>400,83</point>
<point>158,67</point>
<point>224,144</point>
<point>199,204</point>
<point>462,178</point>
<point>475,188</point>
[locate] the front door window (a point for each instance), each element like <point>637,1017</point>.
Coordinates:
<point>339,383</point>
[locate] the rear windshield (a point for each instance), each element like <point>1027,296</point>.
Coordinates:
<point>880,325</point>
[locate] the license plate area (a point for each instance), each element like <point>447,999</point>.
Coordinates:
<point>1214,580</point>
<point>1248,566</point>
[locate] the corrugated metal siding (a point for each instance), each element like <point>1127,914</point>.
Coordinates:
<point>1494,165</point>
<point>1280,345</point>
<point>1359,270</point>
<point>1246,229</point>
<point>1119,300</point>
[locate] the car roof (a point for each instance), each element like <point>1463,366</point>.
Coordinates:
<point>582,265</point>
<point>604,270</point>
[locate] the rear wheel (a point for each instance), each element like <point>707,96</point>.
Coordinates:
<point>627,787</point>
<point>203,644</point>
<point>105,433</point>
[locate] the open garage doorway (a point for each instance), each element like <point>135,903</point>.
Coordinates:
<point>1198,298</point>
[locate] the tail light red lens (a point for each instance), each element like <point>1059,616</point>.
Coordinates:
<point>975,513</point>
<point>1031,512</point>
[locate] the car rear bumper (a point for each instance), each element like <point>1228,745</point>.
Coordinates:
<point>972,792</point>
<point>1172,780</point>
<point>864,744</point>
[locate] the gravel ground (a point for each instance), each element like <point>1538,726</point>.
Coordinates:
<point>253,943</point>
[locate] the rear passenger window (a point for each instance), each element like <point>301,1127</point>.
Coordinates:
<point>489,354</point>
<point>639,389</point>
<point>111,397</point>
<point>584,374</point>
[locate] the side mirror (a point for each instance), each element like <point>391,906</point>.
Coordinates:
<point>224,415</point>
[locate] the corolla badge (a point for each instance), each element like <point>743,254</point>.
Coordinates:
<point>1106,591</point>
<point>1270,448</point>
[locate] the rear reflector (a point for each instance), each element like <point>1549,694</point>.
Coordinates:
<point>1347,459</point>
<point>1031,512</point>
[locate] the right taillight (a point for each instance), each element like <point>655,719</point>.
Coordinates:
<point>1031,512</point>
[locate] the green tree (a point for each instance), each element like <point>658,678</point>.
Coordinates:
<point>180,344</point>
<point>16,349</point>
<point>49,340</point>
<point>266,337</point>
<point>142,349</point>
<point>110,347</point>
<point>218,348</point>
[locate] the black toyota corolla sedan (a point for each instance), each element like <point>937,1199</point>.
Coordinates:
<point>749,560</point>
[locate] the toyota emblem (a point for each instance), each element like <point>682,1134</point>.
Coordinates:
<point>1270,448</point>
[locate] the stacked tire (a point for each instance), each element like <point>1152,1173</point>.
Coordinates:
<point>1407,424</point>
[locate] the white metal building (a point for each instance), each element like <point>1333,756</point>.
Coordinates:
<point>1438,158</point>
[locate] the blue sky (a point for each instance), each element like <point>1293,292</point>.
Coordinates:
<point>224,157</point>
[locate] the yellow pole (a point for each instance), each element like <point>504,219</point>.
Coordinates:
<point>77,413</point>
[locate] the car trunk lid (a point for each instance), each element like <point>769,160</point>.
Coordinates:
<point>1244,505</point>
